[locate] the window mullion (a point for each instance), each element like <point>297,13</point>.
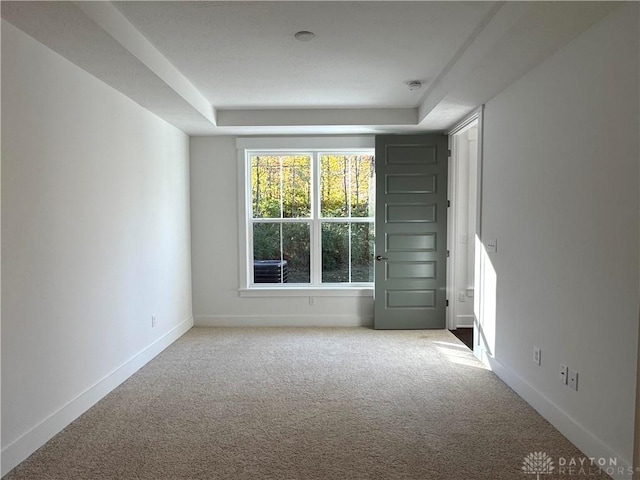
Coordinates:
<point>248,198</point>
<point>281,189</point>
<point>349,158</point>
<point>281,249</point>
<point>349,186</point>
<point>316,227</point>
<point>349,250</point>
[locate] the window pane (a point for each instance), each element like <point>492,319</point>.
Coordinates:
<point>281,253</point>
<point>335,252</point>
<point>363,183</point>
<point>296,186</point>
<point>362,248</point>
<point>334,187</point>
<point>267,265</point>
<point>265,186</point>
<point>296,243</point>
<point>281,186</point>
<point>266,241</point>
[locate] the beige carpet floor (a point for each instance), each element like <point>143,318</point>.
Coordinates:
<point>306,404</point>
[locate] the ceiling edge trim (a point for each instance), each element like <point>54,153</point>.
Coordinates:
<point>112,21</point>
<point>494,26</point>
<point>318,117</point>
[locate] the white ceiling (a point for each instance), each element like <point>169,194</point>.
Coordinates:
<point>244,55</point>
<point>235,68</point>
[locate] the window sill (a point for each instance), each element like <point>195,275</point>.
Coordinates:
<point>359,291</point>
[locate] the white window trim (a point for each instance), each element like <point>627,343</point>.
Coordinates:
<point>287,144</point>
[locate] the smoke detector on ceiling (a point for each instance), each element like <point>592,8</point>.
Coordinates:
<point>414,85</point>
<point>304,36</point>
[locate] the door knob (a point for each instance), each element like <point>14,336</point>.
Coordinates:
<point>380,257</point>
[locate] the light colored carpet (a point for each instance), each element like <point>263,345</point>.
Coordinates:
<point>305,404</point>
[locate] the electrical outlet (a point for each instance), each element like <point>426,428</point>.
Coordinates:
<point>153,320</point>
<point>537,355</point>
<point>312,301</point>
<point>564,374</point>
<point>492,245</point>
<point>462,297</point>
<point>573,380</point>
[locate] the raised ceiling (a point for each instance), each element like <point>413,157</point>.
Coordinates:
<point>235,68</point>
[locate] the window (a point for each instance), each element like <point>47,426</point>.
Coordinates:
<point>310,218</point>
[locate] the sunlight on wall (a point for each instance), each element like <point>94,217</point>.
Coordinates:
<point>484,306</point>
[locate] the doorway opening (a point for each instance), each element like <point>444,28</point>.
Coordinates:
<point>463,216</point>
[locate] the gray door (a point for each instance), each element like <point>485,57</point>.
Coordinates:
<point>411,231</point>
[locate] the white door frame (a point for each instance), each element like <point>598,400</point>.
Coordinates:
<point>475,118</point>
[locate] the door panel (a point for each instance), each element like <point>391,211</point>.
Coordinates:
<point>411,183</point>
<point>411,270</point>
<point>410,154</point>
<point>411,242</point>
<point>411,230</point>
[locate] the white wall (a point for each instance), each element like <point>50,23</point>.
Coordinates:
<point>95,216</point>
<point>216,246</point>
<point>560,193</point>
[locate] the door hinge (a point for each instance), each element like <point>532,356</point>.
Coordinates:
<point>447,302</point>
<point>449,152</point>
<point>447,253</point>
<point>448,203</point>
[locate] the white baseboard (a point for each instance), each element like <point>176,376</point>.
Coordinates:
<point>283,321</point>
<point>19,450</point>
<point>561,420</point>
